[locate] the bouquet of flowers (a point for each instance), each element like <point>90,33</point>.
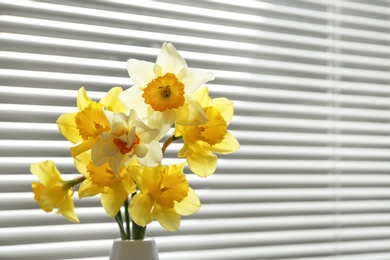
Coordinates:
<point>120,141</point>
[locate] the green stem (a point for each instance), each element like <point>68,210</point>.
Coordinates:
<point>127,218</point>
<point>174,138</point>
<point>138,231</point>
<point>166,144</point>
<point>78,180</point>
<point>169,141</point>
<point>118,219</point>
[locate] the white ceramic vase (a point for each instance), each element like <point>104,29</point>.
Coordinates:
<point>139,249</point>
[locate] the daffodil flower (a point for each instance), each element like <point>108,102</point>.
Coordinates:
<point>164,195</point>
<point>102,180</point>
<point>128,139</point>
<point>86,126</point>
<point>202,141</point>
<point>161,93</point>
<point>53,192</point>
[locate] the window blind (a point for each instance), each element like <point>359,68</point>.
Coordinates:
<point>310,84</point>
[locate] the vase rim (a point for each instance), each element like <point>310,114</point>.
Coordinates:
<point>142,239</point>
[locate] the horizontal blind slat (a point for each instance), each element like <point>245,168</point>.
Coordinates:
<point>251,202</point>
<point>19,182</point>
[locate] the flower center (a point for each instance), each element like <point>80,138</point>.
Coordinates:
<point>215,129</point>
<point>173,187</point>
<point>164,93</point>
<point>91,121</point>
<point>122,145</point>
<point>102,176</point>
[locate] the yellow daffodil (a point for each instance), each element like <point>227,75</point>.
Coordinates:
<point>164,195</point>
<point>128,139</point>
<point>85,127</point>
<point>101,179</point>
<point>53,192</point>
<point>202,141</point>
<point>162,90</point>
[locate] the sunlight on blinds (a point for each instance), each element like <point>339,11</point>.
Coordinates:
<point>310,85</point>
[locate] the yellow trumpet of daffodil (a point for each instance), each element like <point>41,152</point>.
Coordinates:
<point>164,195</point>
<point>86,126</point>
<point>202,141</point>
<point>161,91</point>
<point>114,189</point>
<point>53,192</point>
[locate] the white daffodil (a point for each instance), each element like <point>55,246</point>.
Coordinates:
<point>162,90</point>
<point>128,139</point>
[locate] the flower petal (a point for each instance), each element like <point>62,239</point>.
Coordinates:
<point>161,121</point>
<point>191,113</point>
<point>82,147</point>
<point>193,79</point>
<point>53,196</point>
<point>141,72</point>
<point>144,133</point>
<point>225,107</point>
<point>132,99</point>
<point>157,70</point>
<point>228,145</point>
<point>118,122</point>
<point>189,205</point>
<point>144,177</point>
<point>167,217</point>
<point>188,149</point>
<point>140,151</point>
<point>202,163</point>
<point>203,97</point>
<point>170,60</point>
<point>37,189</point>
<point>110,115</point>
<point>88,189</point>
<point>82,99</point>
<point>100,150</point>
<point>154,155</point>
<point>113,200</point>
<point>81,162</point>
<point>47,172</point>
<point>117,161</point>
<point>140,209</point>
<point>68,128</point>
<point>67,209</point>
<point>110,100</point>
